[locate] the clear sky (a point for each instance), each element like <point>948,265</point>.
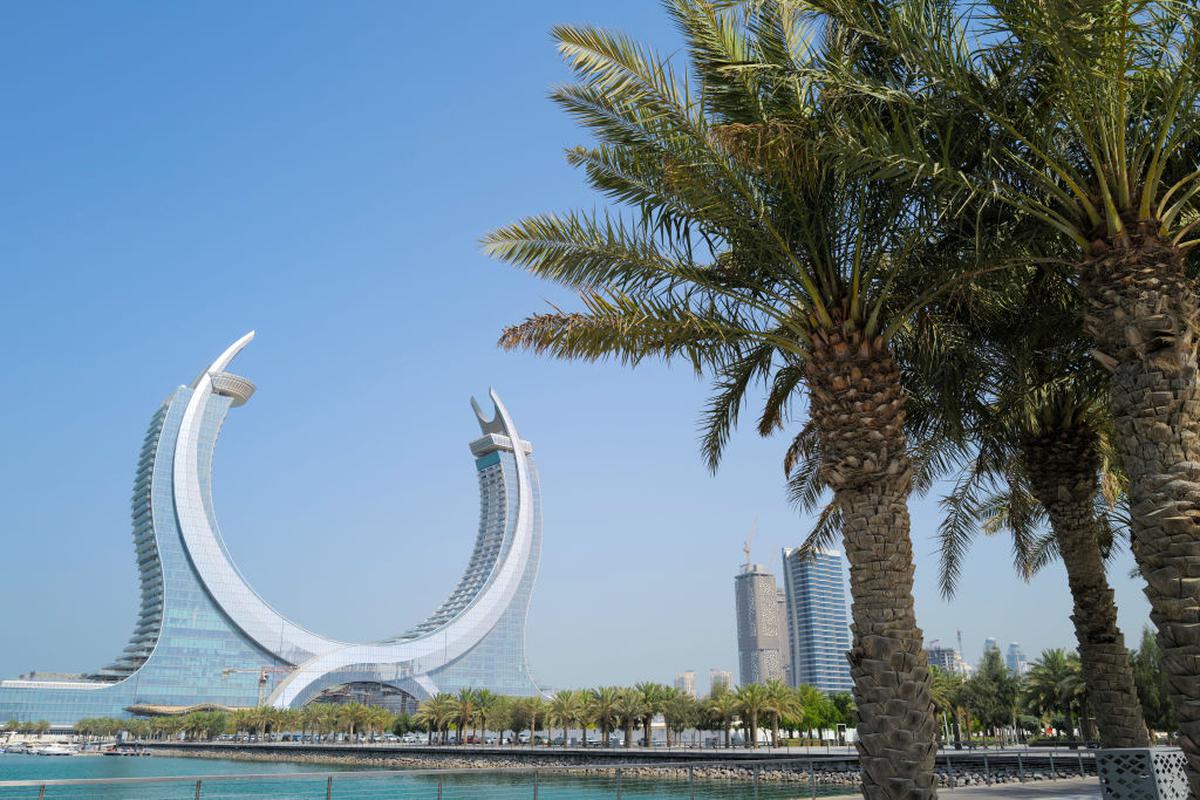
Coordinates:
<point>177,174</point>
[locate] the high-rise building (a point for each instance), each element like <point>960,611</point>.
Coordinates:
<point>1015,660</point>
<point>760,629</point>
<point>947,659</point>
<point>204,636</point>
<point>818,630</point>
<point>989,644</point>
<point>686,682</point>
<point>719,679</point>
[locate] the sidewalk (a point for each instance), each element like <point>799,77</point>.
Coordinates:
<point>1068,789</point>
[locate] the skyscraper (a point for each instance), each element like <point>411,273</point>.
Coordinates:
<point>686,682</point>
<point>1015,659</point>
<point>989,644</point>
<point>761,632</point>
<point>719,679</point>
<point>817,625</point>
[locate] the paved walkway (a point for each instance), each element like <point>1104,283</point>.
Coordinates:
<point>1069,789</point>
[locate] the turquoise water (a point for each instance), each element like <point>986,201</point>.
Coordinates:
<point>310,782</point>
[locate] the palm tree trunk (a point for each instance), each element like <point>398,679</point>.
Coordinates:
<point>1143,312</point>
<point>1062,468</point>
<point>858,407</point>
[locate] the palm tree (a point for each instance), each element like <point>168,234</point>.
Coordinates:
<point>485,703</point>
<point>465,712</point>
<point>1054,685</point>
<point>782,702</point>
<point>602,707</point>
<point>535,708</point>
<point>753,255</point>
<point>1036,413</point>
<point>654,695</point>
<point>630,708</point>
<point>753,700</point>
<point>723,706</point>
<point>438,712</point>
<point>565,710</point>
<point>1093,106</point>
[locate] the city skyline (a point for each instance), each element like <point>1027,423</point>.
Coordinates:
<point>347,235</point>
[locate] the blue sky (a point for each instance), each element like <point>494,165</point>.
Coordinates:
<point>175,175</point>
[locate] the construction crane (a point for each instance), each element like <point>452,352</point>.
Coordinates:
<point>263,679</point>
<point>749,541</point>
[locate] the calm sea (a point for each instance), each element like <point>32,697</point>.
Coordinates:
<point>240,781</point>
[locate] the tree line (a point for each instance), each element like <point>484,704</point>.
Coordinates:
<point>995,705</point>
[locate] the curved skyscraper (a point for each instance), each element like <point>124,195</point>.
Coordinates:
<point>204,637</point>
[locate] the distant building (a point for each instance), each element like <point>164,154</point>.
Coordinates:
<point>1016,661</point>
<point>947,659</point>
<point>989,644</point>
<point>761,631</point>
<point>719,679</point>
<point>686,682</point>
<point>818,629</point>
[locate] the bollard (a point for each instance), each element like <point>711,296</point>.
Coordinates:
<point>1020,769</point>
<point>329,788</point>
<point>198,785</point>
<point>691,782</point>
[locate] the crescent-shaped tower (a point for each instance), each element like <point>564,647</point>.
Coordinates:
<point>205,638</point>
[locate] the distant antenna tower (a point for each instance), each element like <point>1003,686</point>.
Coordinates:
<point>960,650</point>
<point>749,541</point>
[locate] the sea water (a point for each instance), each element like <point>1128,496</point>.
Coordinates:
<point>215,779</point>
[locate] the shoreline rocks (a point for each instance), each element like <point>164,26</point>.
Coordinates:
<point>547,763</point>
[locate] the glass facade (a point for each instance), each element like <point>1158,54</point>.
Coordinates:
<point>818,627</point>
<point>204,637</point>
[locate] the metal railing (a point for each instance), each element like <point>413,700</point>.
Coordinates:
<point>773,779</point>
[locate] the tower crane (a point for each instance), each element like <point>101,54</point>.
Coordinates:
<point>263,677</point>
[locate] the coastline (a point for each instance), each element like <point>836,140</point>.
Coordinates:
<point>840,773</point>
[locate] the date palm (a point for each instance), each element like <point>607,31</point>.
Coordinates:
<point>485,703</point>
<point>1094,110</point>
<point>654,695</point>
<point>752,255</point>
<point>630,708</point>
<point>566,708</point>
<point>602,708</point>
<point>783,702</point>
<point>1035,413</point>
<point>753,701</point>
<point>1054,685</point>
<point>723,707</point>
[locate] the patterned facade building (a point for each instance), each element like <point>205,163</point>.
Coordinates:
<point>818,629</point>
<point>204,637</point>
<point>761,632</point>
